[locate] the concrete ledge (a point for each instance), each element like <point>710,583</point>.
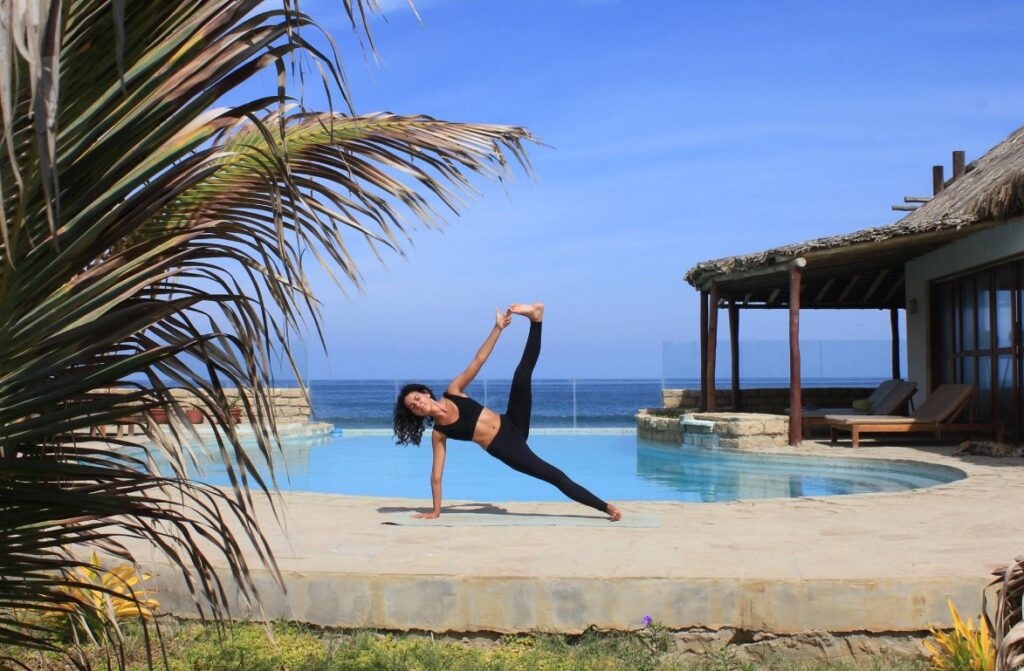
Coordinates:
<point>443,603</point>
<point>287,430</point>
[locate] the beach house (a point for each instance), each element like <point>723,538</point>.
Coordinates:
<point>954,264</point>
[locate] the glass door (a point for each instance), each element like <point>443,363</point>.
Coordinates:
<point>976,339</point>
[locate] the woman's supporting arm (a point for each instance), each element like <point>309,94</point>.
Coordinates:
<point>439,442</point>
<point>459,384</point>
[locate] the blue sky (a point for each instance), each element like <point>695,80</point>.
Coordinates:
<point>678,132</point>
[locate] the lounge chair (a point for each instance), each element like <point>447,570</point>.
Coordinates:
<point>888,398</point>
<point>938,413</point>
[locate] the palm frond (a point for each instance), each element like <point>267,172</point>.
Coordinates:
<point>150,242</point>
<point>1006,623</point>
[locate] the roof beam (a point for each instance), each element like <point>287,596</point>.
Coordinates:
<point>874,286</point>
<point>892,290</point>
<point>824,289</point>
<point>847,289</point>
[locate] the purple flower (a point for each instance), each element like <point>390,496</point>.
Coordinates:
<point>647,620</point>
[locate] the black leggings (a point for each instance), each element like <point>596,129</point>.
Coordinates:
<point>509,445</point>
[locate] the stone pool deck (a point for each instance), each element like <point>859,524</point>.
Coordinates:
<point>861,563</point>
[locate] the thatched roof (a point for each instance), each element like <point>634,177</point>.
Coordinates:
<point>991,190</point>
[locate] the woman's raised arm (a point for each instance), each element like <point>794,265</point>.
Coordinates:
<point>459,384</point>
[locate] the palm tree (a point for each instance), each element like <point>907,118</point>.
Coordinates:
<point>1006,622</point>
<point>147,242</point>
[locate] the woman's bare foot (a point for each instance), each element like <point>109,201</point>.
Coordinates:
<point>613,513</point>
<point>534,311</point>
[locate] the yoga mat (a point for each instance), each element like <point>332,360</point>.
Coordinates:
<point>520,520</point>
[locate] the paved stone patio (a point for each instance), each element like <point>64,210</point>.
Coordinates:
<point>869,562</point>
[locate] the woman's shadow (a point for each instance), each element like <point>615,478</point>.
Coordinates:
<point>469,509</point>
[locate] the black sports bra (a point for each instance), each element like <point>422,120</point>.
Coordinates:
<point>469,413</point>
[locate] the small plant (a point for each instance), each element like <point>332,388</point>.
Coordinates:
<point>654,635</point>
<point>724,660</point>
<point>102,596</point>
<point>235,409</point>
<point>963,648</point>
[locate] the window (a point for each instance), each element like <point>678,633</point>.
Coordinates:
<point>976,339</point>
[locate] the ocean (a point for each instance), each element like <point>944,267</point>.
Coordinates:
<point>583,404</point>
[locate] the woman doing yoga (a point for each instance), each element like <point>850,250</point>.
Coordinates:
<point>457,416</point>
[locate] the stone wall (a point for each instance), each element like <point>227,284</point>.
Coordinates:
<point>771,400</point>
<point>747,429</point>
<point>659,424</point>
<point>737,430</point>
<point>288,402</point>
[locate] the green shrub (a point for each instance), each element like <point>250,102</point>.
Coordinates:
<point>192,646</point>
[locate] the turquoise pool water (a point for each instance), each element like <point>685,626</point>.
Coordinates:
<point>615,466</point>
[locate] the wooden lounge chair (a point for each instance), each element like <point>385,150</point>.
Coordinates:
<point>888,398</point>
<point>938,413</point>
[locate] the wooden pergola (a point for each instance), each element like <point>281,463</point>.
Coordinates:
<point>856,279</point>
<point>859,271</point>
<point>863,270</point>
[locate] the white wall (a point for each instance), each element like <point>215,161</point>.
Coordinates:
<point>981,248</point>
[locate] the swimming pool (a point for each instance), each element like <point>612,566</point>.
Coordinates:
<point>616,466</point>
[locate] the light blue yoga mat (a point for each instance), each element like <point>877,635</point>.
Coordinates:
<point>469,519</point>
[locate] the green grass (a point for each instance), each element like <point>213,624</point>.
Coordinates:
<point>191,646</point>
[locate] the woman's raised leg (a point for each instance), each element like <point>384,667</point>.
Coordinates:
<point>520,395</point>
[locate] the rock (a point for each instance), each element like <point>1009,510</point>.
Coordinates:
<point>701,641</point>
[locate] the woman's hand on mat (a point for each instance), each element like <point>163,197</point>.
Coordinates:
<point>502,319</point>
<point>432,515</point>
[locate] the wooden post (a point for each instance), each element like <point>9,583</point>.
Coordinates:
<point>959,164</point>
<point>712,347</point>
<point>734,347</point>
<point>795,396</point>
<point>703,405</point>
<point>894,326</point>
<point>938,181</point>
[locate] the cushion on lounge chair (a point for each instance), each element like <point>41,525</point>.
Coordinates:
<point>942,406</point>
<point>881,391</point>
<point>897,397</point>
<point>897,393</point>
<point>947,401</point>
<point>874,419</point>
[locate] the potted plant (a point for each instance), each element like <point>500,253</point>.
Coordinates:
<point>235,408</point>
<point>195,415</point>
<point>159,415</point>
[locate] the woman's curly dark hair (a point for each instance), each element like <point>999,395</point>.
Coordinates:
<point>409,428</point>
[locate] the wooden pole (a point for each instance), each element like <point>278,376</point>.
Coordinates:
<point>795,396</point>
<point>734,347</point>
<point>703,350</point>
<point>938,181</point>
<point>959,164</point>
<point>894,326</point>
<point>712,346</point>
